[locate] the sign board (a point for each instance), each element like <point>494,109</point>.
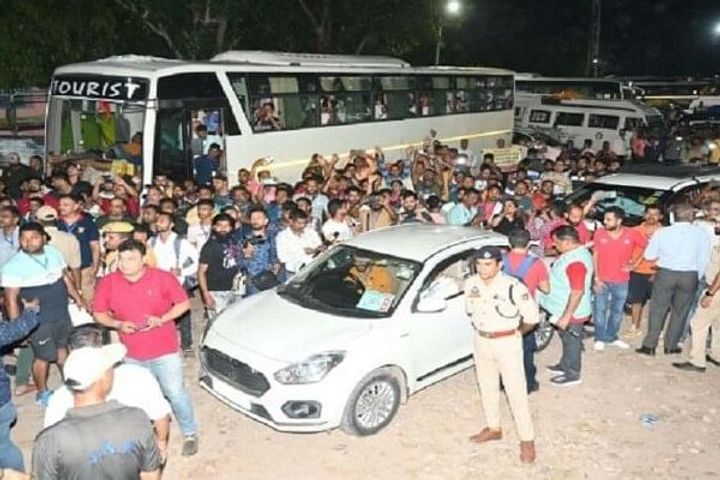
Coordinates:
<point>506,159</point>
<point>100,87</point>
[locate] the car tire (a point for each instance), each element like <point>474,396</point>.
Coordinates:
<point>543,332</point>
<point>373,404</point>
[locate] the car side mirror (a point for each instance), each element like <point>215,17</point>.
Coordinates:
<point>431,305</point>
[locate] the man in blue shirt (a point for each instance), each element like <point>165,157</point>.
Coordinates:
<point>10,333</point>
<point>73,221</point>
<point>206,166</point>
<point>682,253</point>
<point>258,252</point>
<point>464,212</point>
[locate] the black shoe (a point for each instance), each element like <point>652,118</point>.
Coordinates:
<point>687,366</point>
<point>711,360</point>
<point>646,351</point>
<point>556,369</point>
<point>534,387</point>
<point>673,351</point>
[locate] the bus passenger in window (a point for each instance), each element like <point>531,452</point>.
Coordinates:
<point>265,118</point>
<point>424,105</point>
<point>460,102</point>
<point>412,105</point>
<point>327,111</point>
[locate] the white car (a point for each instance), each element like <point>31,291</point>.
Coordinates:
<point>349,338</point>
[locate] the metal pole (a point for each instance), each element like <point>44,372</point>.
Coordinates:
<point>593,56</point>
<point>438,45</point>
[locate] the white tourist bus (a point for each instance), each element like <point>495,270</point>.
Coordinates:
<point>263,104</point>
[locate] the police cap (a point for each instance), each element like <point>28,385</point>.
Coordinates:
<point>118,227</point>
<point>488,252</point>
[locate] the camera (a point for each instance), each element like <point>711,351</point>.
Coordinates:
<point>254,241</point>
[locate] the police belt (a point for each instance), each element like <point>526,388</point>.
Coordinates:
<point>500,334</point>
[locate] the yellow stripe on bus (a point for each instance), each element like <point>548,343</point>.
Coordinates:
<point>293,163</point>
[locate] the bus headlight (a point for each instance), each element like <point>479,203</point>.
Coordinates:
<point>311,370</point>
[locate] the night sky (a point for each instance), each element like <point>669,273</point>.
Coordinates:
<point>639,37</point>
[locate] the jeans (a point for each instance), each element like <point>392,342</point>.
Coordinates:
<point>168,371</point>
<point>608,311</point>
<point>10,455</point>
<point>674,291</point>
<point>529,348</point>
<point>571,360</point>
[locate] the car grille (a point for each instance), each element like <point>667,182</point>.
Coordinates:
<point>238,374</point>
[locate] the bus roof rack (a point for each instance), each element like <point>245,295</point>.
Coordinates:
<point>259,57</point>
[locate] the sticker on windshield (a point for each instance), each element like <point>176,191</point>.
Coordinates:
<point>376,301</point>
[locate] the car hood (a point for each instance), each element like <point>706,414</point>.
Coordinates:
<point>273,327</point>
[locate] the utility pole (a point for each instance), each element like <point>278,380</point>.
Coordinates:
<point>593,55</point>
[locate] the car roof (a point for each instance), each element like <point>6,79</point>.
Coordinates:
<point>660,177</point>
<point>418,242</point>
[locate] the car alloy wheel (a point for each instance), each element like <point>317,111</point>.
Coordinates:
<point>373,404</point>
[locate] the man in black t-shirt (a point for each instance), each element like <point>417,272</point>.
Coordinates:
<point>218,267</point>
<point>97,439</point>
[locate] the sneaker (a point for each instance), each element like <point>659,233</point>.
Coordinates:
<point>555,369</point>
<point>599,346</point>
<point>43,398</point>
<point>620,344</point>
<point>564,381</point>
<point>190,446</point>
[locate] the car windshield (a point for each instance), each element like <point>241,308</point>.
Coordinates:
<point>352,282</point>
<point>632,200</point>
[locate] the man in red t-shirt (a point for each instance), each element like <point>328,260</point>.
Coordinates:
<point>576,218</point>
<point>532,271</point>
<point>142,304</point>
<point>614,255</point>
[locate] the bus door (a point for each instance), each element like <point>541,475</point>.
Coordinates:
<point>193,116</point>
<point>186,131</point>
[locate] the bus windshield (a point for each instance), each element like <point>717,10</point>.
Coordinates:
<point>93,129</point>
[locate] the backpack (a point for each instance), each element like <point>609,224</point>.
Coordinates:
<point>191,281</point>
<point>520,273</point>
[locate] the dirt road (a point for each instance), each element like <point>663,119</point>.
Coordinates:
<point>591,431</point>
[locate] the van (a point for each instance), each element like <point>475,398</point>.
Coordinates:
<point>579,119</point>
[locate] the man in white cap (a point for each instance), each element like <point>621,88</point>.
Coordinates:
<point>97,438</point>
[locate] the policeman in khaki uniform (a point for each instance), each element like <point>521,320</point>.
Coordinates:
<point>501,310</point>
<point>114,233</point>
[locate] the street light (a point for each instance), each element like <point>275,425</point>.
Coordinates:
<point>452,9</point>
<point>716,29</point>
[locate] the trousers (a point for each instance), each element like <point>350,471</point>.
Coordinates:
<point>700,325</point>
<point>10,455</point>
<point>502,358</point>
<point>674,291</point>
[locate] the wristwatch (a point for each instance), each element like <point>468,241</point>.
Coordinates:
<point>708,293</point>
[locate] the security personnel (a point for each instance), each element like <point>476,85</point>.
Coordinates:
<point>113,233</point>
<point>501,309</point>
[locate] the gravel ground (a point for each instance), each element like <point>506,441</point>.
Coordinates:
<point>590,431</point>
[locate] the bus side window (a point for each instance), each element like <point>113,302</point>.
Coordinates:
<point>570,119</point>
<point>608,122</point>
<point>394,97</point>
<point>478,95</point>
<point>346,100</point>
<point>539,116</point>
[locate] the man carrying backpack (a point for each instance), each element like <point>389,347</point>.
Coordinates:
<point>531,271</point>
<point>175,254</point>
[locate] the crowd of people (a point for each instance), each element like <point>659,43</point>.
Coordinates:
<point>77,243</point>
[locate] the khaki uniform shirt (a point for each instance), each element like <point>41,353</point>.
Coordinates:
<point>490,306</point>
<point>68,246</point>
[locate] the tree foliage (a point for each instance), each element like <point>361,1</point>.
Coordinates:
<point>43,34</point>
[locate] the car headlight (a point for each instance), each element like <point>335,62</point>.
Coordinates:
<point>311,370</point>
